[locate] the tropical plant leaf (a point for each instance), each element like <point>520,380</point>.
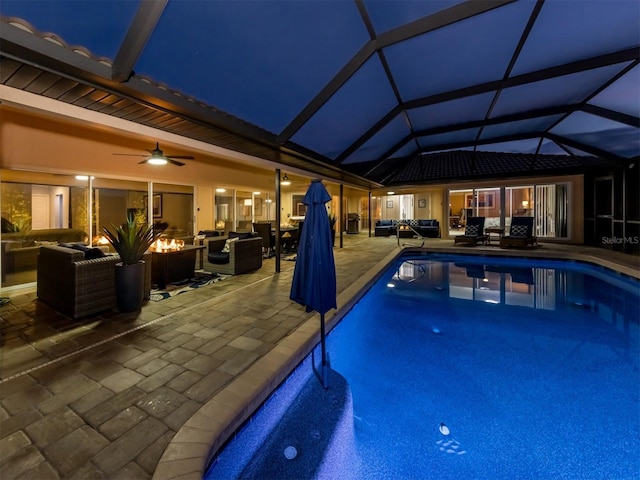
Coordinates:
<point>131,239</point>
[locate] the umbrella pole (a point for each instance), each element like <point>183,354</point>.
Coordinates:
<point>324,351</point>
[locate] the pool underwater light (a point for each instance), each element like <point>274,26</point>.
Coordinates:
<point>290,452</point>
<point>444,429</point>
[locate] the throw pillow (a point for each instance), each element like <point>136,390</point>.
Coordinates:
<point>240,235</point>
<point>228,243</point>
<point>471,230</point>
<point>519,230</point>
<point>92,253</point>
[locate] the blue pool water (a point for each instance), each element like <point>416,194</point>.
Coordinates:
<point>465,367</point>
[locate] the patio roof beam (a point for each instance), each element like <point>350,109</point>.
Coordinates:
<point>583,146</point>
<point>611,115</point>
<point>144,22</point>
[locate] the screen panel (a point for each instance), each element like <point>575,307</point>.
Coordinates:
<point>539,124</point>
<point>567,89</point>
<point>466,53</point>
<point>382,141</point>
<point>466,135</point>
<point>350,112</point>
<point>623,95</point>
<point>567,31</point>
<point>528,145</point>
<point>386,15</point>
<point>599,132</point>
<point>262,62</point>
<point>453,112</point>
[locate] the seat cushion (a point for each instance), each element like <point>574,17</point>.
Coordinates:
<point>472,230</point>
<point>218,258</point>
<point>519,231</point>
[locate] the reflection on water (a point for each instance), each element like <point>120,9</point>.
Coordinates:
<point>513,282</point>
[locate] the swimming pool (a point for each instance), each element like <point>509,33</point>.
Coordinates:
<point>475,367</point>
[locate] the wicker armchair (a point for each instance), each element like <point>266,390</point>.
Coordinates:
<point>77,287</point>
<point>244,255</point>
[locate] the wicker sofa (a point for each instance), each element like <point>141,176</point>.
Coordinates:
<point>20,250</point>
<point>427,228</point>
<point>78,287</point>
<point>244,255</point>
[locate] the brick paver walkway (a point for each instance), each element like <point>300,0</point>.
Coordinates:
<point>103,397</point>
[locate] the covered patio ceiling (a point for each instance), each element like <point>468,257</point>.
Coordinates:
<point>370,92</point>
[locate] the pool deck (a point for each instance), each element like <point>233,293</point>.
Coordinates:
<point>152,394</point>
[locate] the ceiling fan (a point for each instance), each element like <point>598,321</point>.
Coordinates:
<point>159,158</point>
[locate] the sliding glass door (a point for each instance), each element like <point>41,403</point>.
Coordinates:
<point>548,204</point>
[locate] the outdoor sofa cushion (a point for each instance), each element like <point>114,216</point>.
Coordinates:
<point>218,258</point>
<point>89,252</point>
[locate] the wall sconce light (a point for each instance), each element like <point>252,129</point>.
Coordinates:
<point>285,180</point>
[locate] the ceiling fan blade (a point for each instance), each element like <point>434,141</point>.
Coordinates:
<point>130,154</point>
<point>175,162</point>
<point>183,157</point>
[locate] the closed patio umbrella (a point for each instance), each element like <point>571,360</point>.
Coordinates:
<point>314,277</point>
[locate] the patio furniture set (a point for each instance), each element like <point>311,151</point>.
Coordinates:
<point>426,228</point>
<point>520,233</point>
<point>78,280</point>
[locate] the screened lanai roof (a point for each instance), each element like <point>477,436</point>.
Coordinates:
<point>385,92</point>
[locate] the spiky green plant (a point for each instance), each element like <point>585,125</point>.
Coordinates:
<point>131,239</point>
<point>332,221</point>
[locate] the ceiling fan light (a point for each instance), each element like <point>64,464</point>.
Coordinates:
<point>285,180</point>
<point>157,161</point>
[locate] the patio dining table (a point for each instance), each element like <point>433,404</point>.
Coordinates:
<point>292,238</point>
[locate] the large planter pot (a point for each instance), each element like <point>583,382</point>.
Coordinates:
<point>333,238</point>
<point>129,286</point>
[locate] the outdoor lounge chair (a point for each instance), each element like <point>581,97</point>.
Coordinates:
<point>268,238</point>
<point>518,274</point>
<point>473,232</point>
<point>472,270</point>
<point>520,234</point>
<point>243,255</point>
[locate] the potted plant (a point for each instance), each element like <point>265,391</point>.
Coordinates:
<point>130,240</point>
<point>332,223</point>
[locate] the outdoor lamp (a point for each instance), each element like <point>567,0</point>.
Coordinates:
<point>285,180</point>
